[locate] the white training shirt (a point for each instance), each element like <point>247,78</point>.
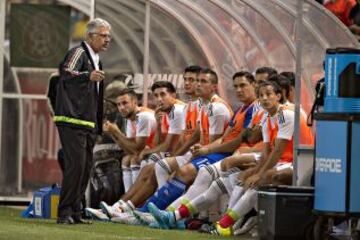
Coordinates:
<point>218,114</point>
<point>176,119</point>
<point>96,59</point>
<point>285,121</point>
<point>143,125</point>
<point>302,111</point>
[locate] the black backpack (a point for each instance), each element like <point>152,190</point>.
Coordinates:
<point>106,183</point>
<point>318,101</point>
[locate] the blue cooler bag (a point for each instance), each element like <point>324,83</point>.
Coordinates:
<point>46,201</point>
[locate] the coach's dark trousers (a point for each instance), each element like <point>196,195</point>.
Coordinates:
<point>78,147</point>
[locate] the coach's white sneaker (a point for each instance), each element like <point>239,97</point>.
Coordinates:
<point>96,214</point>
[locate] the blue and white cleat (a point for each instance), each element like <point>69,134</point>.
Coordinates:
<point>154,225</point>
<point>126,218</point>
<point>145,217</point>
<point>165,219</point>
<point>180,225</point>
<point>108,210</point>
<point>116,210</point>
<point>96,214</point>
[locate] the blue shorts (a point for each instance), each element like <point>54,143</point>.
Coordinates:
<point>208,159</point>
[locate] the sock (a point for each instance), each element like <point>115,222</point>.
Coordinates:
<point>203,214</point>
<point>226,221</point>
<point>217,166</point>
<point>202,182</point>
<point>207,198</point>
<point>182,212</point>
<point>225,182</point>
<point>135,169</point>
<point>233,176</point>
<point>127,177</point>
<point>213,211</point>
<point>143,163</point>
<point>223,204</point>
<point>165,195</point>
<point>244,205</point>
<point>162,171</point>
<point>155,157</point>
<point>235,195</point>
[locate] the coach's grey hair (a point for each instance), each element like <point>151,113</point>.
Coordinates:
<point>95,24</point>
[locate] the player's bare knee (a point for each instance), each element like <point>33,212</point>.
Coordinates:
<point>186,173</point>
<point>171,161</point>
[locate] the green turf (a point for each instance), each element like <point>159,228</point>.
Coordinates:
<point>12,226</point>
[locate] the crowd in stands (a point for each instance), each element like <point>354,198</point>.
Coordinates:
<point>348,12</point>
<point>198,164</point>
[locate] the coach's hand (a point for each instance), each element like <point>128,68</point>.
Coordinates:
<point>97,76</point>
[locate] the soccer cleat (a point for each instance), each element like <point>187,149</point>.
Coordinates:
<point>216,229</point>
<point>238,224</point>
<point>118,204</point>
<point>247,226</point>
<point>154,225</point>
<point>181,224</point>
<point>108,210</point>
<point>225,232</point>
<point>114,211</point>
<point>165,219</point>
<point>126,218</point>
<point>144,217</point>
<point>206,228</point>
<point>196,223</point>
<point>96,214</point>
